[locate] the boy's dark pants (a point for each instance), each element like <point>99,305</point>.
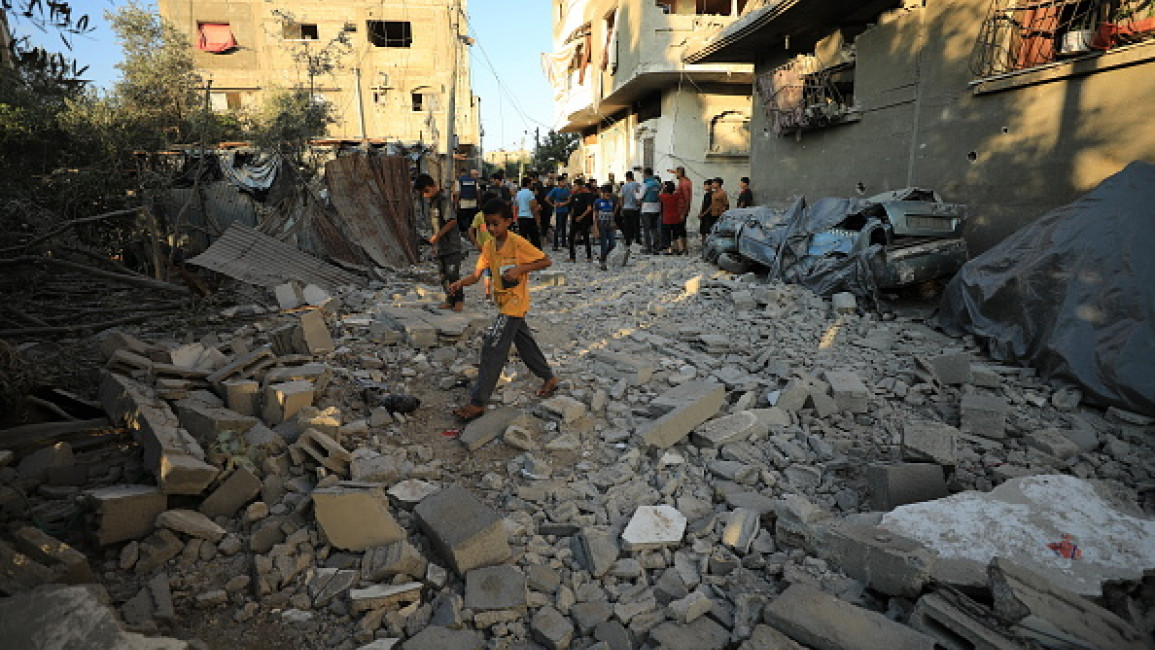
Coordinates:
<point>506,330</point>
<point>559,231</point>
<point>631,221</point>
<point>449,268</point>
<point>528,228</point>
<point>580,230</point>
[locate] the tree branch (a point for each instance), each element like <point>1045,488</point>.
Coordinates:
<point>100,273</point>
<point>66,226</point>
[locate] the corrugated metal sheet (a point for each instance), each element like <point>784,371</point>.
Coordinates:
<point>256,258</point>
<point>374,200</point>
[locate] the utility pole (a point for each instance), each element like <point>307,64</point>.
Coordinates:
<point>451,113</point>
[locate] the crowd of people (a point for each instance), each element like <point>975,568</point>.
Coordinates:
<point>510,229</point>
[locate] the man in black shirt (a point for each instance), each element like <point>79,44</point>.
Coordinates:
<point>446,239</point>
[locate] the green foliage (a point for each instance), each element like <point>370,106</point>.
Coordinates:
<point>289,119</point>
<point>553,150</point>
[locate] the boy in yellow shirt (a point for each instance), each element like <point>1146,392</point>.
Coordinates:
<point>509,258</point>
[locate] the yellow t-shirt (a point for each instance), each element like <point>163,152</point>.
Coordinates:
<point>479,224</point>
<point>511,301</point>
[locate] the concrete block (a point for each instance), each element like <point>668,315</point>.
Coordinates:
<point>283,401</point>
<point>952,369</point>
<point>797,521</point>
<point>765,637</point>
<point>126,512</point>
<point>190,522</point>
<point>984,415</point>
<point>170,452</point>
<point>488,427</point>
<point>595,551</point>
<point>58,616</point>
<point>985,376</point>
<point>564,407</point>
<point>356,517</point>
<point>399,558</point>
<point>703,634</point>
<point>1053,614</point>
<point>205,422</point>
<point>552,629</point>
<point>635,369</point>
<point>289,295</point>
<point>35,466</point>
<point>793,397</point>
<point>323,449</point>
<point>19,573</point>
<point>441,638</point>
<point>702,402</point>
<point>243,396</point>
<point>243,366</point>
<point>927,440</point>
<point>66,563</point>
<point>463,530</point>
<point>389,597</point>
<point>819,620</point>
<point>495,588</point>
<point>844,302</point>
<point>727,429</point>
<point>654,527</point>
<point>314,333</point>
<point>1052,442</point>
<point>886,562</point>
<point>327,584</point>
<point>238,489</point>
<point>742,527</point>
<point>316,372</point>
<point>156,549</point>
<point>743,300</point>
<point>848,391</point>
<point>955,629</point>
<point>824,405</point>
<point>895,485</point>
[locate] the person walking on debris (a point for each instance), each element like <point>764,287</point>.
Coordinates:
<point>704,224</point>
<point>528,213</point>
<point>559,199</point>
<point>605,208</point>
<point>509,258</point>
<point>631,210</point>
<point>745,196</point>
<point>582,222</point>
<point>446,240</point>
<point>651,210</point>
<point>673,228</point>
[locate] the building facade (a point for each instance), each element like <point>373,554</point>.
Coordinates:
<point>386,66</point>
<point>620,82</point>
<point>1008,106</point>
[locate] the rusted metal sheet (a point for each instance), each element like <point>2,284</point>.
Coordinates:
<point>374,200</point>
<point>253,257</point>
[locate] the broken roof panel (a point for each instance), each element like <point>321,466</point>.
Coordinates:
<point>254,257</point>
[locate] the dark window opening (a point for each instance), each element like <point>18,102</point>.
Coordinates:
<point>299,32</point>
<point>388,33</point>
<point>418,101</point>
<point>802,95</point>
<point>649,107</point>
<point>702,7</point>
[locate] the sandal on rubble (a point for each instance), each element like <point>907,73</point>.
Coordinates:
<point>548,388</point>
<point>469,412</point>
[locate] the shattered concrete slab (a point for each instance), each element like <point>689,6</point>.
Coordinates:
<point>1018,521</point>
<point>60,618</point>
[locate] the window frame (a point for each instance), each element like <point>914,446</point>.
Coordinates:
<point>383,39</point>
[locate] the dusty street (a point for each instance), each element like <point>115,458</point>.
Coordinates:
<point>726,465</point>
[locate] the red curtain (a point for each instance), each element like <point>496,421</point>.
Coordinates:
<point>216,38</point>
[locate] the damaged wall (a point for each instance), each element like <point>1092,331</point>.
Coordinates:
<point>1010,153</point>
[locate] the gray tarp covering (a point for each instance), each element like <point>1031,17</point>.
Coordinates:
<point>255,174</point>
<point>1073,293</point>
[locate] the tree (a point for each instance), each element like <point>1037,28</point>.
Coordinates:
<point>553,150</point>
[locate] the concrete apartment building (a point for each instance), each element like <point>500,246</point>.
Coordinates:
<point>389,81</point>
<point>1011,107</point>
<point>621,83</point>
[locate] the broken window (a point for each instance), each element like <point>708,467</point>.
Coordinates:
<point>215,38</point>
<point>649,107</point>
<point>1023,34</point>
<point>702,7</point>
<point>418,101</point>
<point>389,33</point>
<point>730,134</point>
<point>610,55</point>
<point>299,32</point>
<point>804,94</point>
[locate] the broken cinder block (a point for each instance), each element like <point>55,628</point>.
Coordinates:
<point>356,517</point>
<point>694,403</point>
<point>126,512</point>
<point>283,401</point>
<point>820,620</point>
<point>464,530</point>
<point>899,484</point>
<point>323,449</point>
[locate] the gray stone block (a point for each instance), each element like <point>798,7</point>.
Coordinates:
<point>551,628</point>
<point>238,489</point>
<point>729,428</point>
<point>55,616</point>
<point>488,427</point>
<point>284,400</point>
<point>494,588</point>
<point>895,485</point>
<point>816,619</point>
<point>68,564</point>
<point>399,558</point>
<point>703,400</point>
<point>883,561</point>
<point>954,629</point>
<point>703,634</point>
<point>205,422</point>
<point>952,369</point>
<point>126,512</point>
<point>385,596</point>
<point>848,391</point>
<point>1052,442</point>
<point>927,440</point>
<point>595,551</point>
<point>466,532</point>
<point>440,638</point>
<point>356,517</point>
<point>984,415</point>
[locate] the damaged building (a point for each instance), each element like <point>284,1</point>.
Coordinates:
<point>1012,108</point>
<point>381,66</point>
<point>620,81</point>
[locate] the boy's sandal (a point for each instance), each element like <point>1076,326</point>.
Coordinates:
<point>469,412</point>
<point>548,388</point>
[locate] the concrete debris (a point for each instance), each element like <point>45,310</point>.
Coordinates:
<point>730,463</point>
<point>70,617</point>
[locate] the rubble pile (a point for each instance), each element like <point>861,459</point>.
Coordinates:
<point>729,464</point>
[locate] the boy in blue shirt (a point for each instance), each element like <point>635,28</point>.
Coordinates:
<point>605,209</point>
<point>559,199</point>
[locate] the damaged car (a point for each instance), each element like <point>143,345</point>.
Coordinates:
<point>887,241</point>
